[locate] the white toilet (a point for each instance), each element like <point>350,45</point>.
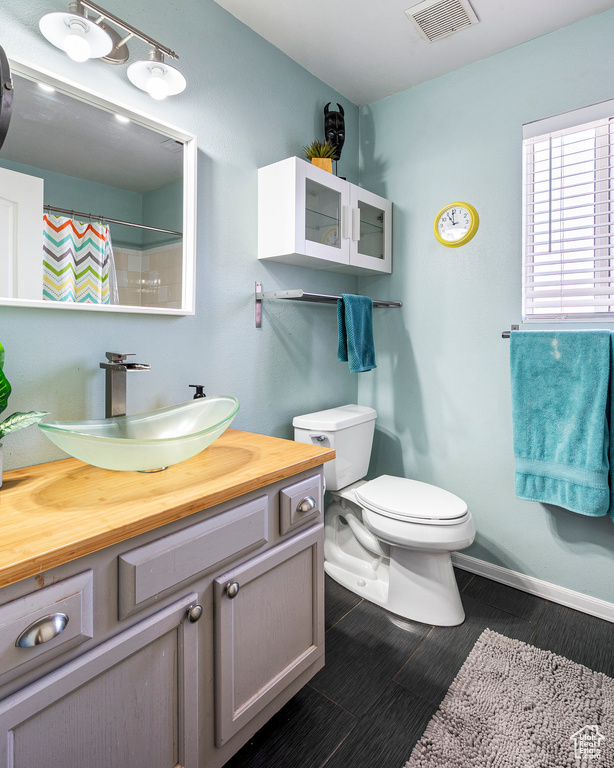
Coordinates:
<point>388,540</point>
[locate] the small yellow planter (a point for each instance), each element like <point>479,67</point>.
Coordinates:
<point>325,163</point>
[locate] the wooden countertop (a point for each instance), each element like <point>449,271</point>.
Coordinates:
<point>56,512</point>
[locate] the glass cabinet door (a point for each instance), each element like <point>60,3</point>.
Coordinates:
<point>371,241</point>
<point>322,214</point>
<point>325,201</point>
<point>371,231</point>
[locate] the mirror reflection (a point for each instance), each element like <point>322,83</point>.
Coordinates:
<point>93,210</point>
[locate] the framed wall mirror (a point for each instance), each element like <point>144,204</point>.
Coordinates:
<point>97,203</point>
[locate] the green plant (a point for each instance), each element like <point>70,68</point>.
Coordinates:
<point>319,149</point>
<point>17,420</point>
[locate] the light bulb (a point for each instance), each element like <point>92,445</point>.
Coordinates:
<point>75,44</point>
<point>156,86</point>
<point>157,78</point>
<point>76,35</point>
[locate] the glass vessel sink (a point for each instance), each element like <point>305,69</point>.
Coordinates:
<point>149,441</point>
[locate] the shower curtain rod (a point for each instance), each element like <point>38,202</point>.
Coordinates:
<point>80,215</point>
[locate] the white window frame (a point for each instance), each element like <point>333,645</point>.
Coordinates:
<point>587,294</point>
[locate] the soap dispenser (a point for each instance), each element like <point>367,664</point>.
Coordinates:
<point>200,390</point>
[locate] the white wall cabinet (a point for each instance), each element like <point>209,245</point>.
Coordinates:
<point>310,218</point>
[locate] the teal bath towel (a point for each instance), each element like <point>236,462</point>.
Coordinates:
<point>560,386</point>
<point>611,423</point>
<point>355,325</point>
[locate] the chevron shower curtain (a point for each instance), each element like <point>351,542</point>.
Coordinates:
<point>78,261</point>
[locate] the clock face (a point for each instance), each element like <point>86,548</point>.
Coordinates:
<point>456,224</point>
<point>331,237</point>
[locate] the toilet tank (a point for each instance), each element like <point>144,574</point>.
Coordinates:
<point>347,429</point>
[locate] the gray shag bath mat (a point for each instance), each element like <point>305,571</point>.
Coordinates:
<point>516,706</point>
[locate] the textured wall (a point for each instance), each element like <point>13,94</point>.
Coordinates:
<point>249,105</point>
<point>442,386</point>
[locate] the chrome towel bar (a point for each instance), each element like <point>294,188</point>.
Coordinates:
<point>506,334</point>
<point>298,294</point>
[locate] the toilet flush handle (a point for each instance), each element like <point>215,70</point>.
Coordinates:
<point>319,438</point>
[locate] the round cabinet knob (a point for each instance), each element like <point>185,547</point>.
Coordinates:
<point>308,504</point>
<point>42,630</point>
<point>231,589</point>
<point>194,613</point>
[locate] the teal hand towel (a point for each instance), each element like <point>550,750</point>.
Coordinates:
<point>560,385</point>
<point>355,326</point>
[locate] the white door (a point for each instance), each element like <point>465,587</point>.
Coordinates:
<point>21,235</point>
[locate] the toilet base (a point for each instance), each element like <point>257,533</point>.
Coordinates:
<point>417,585</point>
<point>423,584</point>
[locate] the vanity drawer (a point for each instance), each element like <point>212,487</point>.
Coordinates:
<point>300,504</point>
<point>148,571</point>
<point>41,613</point>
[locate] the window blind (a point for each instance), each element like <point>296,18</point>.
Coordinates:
<point>568,269</point>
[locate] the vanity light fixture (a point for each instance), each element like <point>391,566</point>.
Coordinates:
<point>83,38</point>
<point>75,34</point>
<point>157,78</point>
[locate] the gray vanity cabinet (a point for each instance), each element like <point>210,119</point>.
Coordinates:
<point>130,681</point>
<point>129,702</point>
<point>268,628</point>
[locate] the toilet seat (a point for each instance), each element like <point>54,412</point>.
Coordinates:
<point>413,534</point>
<point>411,501</point>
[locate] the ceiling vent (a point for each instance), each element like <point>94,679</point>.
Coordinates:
<point>441,18</point>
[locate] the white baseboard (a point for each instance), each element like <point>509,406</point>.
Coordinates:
<point>577,600</point>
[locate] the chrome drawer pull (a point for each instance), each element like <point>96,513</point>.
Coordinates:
<point>194,613</point>
<point>308,504</point>
<point>42,630</point>
<point>231,589</point>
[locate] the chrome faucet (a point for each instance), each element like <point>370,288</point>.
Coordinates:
<point>115,382</point>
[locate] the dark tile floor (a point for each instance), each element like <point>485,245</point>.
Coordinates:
<point>385,677</point>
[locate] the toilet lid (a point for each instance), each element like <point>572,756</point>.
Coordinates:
<point>405,499</point>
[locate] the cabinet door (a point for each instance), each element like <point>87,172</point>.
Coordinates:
<point>303,215</point>
<point>129,702</point>
<point>322,211</point>
<point>270,631</point>
<point>371,231</point>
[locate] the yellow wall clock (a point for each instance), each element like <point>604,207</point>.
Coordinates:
<point>456,224</point>
<point>331,236</point>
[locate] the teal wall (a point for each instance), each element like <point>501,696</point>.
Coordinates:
<point>249,105</point>
<point>163,208</point>
<point>90,197</point>
<point>442,384</point>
